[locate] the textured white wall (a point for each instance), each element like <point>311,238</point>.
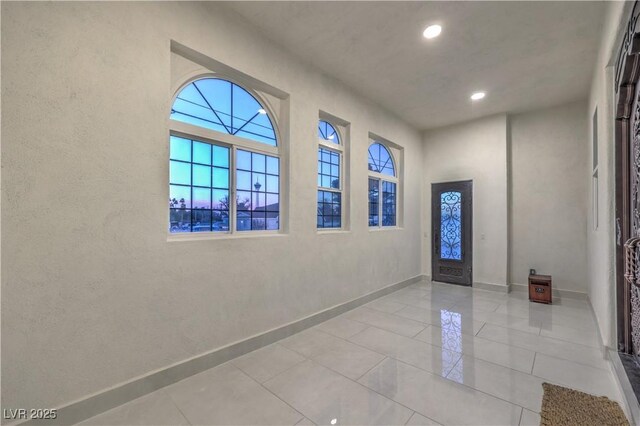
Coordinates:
<point>549,195</point>
<point>92,292</point>
<point>601,242</point>
<point>476,150</point>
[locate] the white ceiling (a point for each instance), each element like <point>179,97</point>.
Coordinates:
<point>526,55</point>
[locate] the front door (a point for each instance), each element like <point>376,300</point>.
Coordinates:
<point>451,218</point>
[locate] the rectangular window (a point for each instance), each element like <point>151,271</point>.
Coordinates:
<point>329,209</point>
<point>373,201</point>
<point>388,203</point>
<point>328,169</point>
<point>199,186</point>
<point>385,162</point>
<point>258,191</point>
<point>329,189</point>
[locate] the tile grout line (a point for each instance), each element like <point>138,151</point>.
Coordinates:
<point>369,370</point>
<point>521,414</point>
<point>481,327</point>
<point>437,347</point>
<point>557,340</point>
<point>355,381</point>
<point>175,404</point>
<point>283,401</point>
<point>437,375</point>
<point>453,383</point>
<point>419,368</point>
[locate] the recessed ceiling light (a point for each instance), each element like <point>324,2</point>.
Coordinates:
<point>432,31</point>
<point>477,96</point>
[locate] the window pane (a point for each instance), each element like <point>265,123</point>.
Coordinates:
<point>180,196</point>
<point>243,180</point>
<point>258,221</point>
<point>220,220</point>
<point>273,166</point>
<point>388,204</point>
<point>272,202</point>
<point>328,169</point>
<point>201,220</point>
<point>243,160</point>
<point>258,198</point>
<point>225,107</point>
<point>327,132</point>
<point>243,200</point>
<point>180,173</point>
<point>221,156</point>
<point>190,193</point>
<point>258,182</point>
<point>220,178</point>
<point>201,198</point>
<point>329,209</point>
<point>180,149</point>
<point>373,202</point>
<point>273,184</point>
<point>179,220</point>
<point>201,175</point>
<point>450,225</point>
<point>258,162</point>
<point>380,160</point>
<point>220,199</point>
<point>201,153</point>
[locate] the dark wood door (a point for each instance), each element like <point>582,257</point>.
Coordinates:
<point>634,218</point>
<point>451,219</point>
<point>627,175</point>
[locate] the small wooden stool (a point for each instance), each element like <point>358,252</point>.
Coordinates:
<point>540,288</point>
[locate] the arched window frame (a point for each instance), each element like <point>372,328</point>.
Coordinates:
<point>234,143</point>
<point>339,149</point>
<point>379,179</point>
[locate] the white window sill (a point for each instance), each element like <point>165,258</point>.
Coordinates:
<point>204,236</point>
<point>333,231</point>
<point>385,228</point>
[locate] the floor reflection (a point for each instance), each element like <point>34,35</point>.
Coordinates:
<point>451,326</point>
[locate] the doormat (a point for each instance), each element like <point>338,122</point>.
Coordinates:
<point>563,407</point>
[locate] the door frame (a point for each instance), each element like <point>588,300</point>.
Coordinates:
<point>627,77</point>
<point>467,185</point>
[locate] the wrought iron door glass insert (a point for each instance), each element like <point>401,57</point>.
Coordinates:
<point>450,225</point>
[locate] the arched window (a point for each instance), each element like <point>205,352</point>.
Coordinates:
<point>220,180</point>
<point>223,106</point>
<point>382,180</point>
<point>330,185</point>
<point>380,160</point>
<point>327,132</point>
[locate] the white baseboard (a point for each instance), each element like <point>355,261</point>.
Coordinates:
<point>557,292</point>
<point>107,399</point>
<point>491,287</point>
<point>629,401</point>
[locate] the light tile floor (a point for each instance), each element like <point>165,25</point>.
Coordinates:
<point>428,354</point>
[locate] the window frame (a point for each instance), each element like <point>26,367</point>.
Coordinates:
<point>380,177</point>
<point>338,148</point>
<point>233,142</point>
